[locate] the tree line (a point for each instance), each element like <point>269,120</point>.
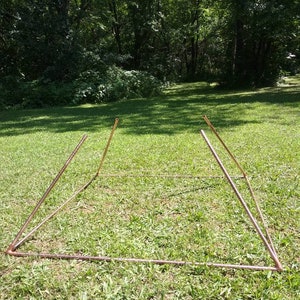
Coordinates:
<point>76,51</point>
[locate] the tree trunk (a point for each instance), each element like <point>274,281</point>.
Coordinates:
<point>116,27</point>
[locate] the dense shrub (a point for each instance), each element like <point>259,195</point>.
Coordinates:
<point>38,94</point>
<point>114,84</point>
<point>18,93</point>
<point>10,89</point>
<point>91,87</point>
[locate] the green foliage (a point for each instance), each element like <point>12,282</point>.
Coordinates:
<point>237,43</point>
<point>17,93</point>
<point>9,91</point>
<point>259,35</point>
<point>39,94</point>
<point>90,87</point>
<point>115,84</point>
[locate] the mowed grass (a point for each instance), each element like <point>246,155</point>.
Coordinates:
<point>137,214</point>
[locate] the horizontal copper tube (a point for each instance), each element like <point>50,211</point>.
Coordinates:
<point>141,260</point>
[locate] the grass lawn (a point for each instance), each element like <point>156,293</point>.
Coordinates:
<point>176,218</point>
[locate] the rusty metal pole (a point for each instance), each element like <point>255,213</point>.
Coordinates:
<point>245,206</point>
<point>12,245</point>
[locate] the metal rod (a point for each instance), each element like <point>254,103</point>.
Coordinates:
<point>140,260</point>
<point>268,236</point>
<point>107,146</point>
<point>165,176</point>
<point>224,145</point>
<point>12,245</point>
<point>254,222</point>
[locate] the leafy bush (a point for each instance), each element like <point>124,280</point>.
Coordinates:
<point>92,86</point>
<point>15,92</point>
<point>39,94</point>
<point>87,87</point>
<point>9,91</point>
<point>114,84</point>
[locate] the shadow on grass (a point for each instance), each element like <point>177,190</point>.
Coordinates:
<point>180,109</point>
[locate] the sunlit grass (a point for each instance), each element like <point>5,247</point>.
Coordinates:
<point>195,219</point>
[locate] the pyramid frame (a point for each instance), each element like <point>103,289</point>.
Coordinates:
<point>264,236</point>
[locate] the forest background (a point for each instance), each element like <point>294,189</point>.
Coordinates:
<point>62,52</point>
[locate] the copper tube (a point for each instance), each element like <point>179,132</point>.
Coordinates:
<point>224,145</point>
<point>12,245</point>
<point>242,201</point>
<point>140,260</point>
<point>166,176</point>
<point>268,236</point>
<point>107,145</point>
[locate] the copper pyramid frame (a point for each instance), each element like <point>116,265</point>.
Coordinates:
<point>262,233</point>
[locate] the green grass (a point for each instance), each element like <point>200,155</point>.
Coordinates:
<point>195,219</point>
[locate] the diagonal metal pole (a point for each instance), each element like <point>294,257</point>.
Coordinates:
<point>20,242</point>
<point>107,146</point>
<point>245,206</point>
<point>268,236</point>
<point>224,145</point>
<point>12,245</point>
